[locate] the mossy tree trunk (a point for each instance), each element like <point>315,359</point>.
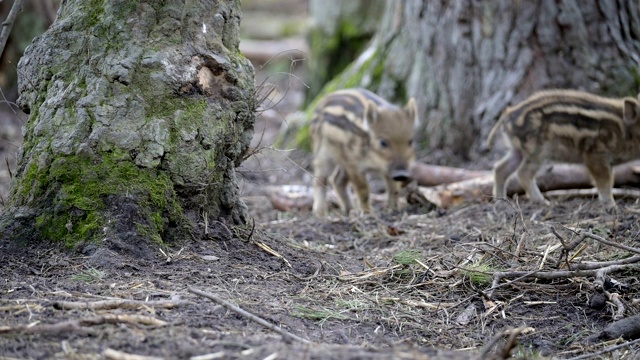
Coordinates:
<point>465,61</point>
<point>139,113</point>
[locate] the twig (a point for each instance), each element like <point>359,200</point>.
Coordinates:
<point>555,232</point>
<point>499,276</point>
<point>6,160</point>
<point>268,249</point>
<point>605,350</point>
<point>117,304</point>
<point>593,236</point>
<point>552,275</point>
<point>72,325</point>
<point>520,245</point>
<point>253,228</point>
<point>611,243</point>
<point>8,24</point>
<point>601,274</point>
<point>248,315</point>
<point>506,349</point>
<point>567,247</point>
<point>599,265</point>
<point>615,299</point>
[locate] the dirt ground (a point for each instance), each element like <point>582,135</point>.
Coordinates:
<point>415,284</point>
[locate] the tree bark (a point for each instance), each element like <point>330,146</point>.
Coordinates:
<point>139,113</point>
<point>465,61</point>
<point>341,30</point>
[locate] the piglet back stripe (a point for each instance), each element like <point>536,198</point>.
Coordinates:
<point>349,102</point>
<point>345,124</point>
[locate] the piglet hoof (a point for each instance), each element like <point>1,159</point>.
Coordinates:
<point>612,209</point>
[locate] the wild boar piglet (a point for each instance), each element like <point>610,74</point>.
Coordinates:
<point>567,126</point>
<point>355,132</point>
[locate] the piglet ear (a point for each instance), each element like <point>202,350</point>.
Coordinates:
<point>411,109</point>
<point>631,111</point>
<point>370,115</point>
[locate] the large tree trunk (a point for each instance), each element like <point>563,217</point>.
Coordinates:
<point>341,30</point>
<point>139,113</point>
<point>465,61</point>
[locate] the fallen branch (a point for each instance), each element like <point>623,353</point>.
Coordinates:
<point>294,197</point>
<point>229,306</point>
<point>432,175</point>
<point>611,243</point>
<point>447,186</point>
<point>589,235</point>
<point>211,356</point>
<point>300,198</point>
<point>117,304</point>
<point>552,275</point>
<point>555,177</point>
<point>281,202</point>
<point>480,189</point>
<point>73,325</point>
<point>22,307</point>
<point>599,265</point>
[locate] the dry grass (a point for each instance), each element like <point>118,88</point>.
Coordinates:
<point>458,277</point>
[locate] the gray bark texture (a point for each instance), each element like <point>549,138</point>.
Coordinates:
<point>465,60</point>
<point>140,112</point>
<point>341,30</point>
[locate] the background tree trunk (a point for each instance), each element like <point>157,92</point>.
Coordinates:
<point>341,30</point>
<point>465,61</point>
<point>33,20</point>
<point>139,114</point>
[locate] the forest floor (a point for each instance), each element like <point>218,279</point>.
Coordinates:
<point>414,284</point>
<point>478,280</point>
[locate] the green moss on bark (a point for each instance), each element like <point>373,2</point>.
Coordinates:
<point>95,9</point>
<point>77,188</point>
